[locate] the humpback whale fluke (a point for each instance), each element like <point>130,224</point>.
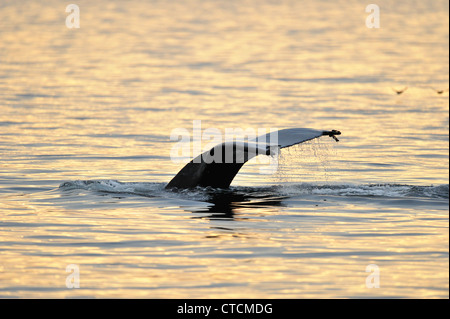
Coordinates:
<point>218,166</point>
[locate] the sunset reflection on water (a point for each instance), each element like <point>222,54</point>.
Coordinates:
<point>100,103</point>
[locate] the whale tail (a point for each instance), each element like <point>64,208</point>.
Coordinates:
<point>218,166</point>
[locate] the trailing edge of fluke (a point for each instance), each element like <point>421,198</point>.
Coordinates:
<point>218,166</point>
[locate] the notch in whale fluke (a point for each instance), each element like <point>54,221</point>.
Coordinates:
<point>332,134</point>
<point>218,166</point>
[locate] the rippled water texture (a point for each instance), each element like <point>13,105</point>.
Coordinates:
<point>85,125</point>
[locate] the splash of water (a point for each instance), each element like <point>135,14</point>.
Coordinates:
<point>307,162</point>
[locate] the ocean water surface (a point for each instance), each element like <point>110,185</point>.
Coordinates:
<point>85,149</point>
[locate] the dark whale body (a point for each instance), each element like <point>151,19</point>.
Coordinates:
<point>218,166</point>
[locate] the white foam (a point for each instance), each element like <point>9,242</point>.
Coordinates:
<point>285,189</point>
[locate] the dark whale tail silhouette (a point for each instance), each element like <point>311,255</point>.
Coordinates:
<point>218,166</point>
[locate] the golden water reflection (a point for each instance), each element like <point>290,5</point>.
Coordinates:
<point>138,252</point>
<point>100,102</point>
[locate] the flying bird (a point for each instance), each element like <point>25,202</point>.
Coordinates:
<point>439,91</point>
<point>400,91</point>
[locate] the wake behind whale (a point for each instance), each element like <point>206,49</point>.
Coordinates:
<point>199,193</point>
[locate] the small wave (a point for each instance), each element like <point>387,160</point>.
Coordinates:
<point>114,186</point>
<point>203,194</point>
<point>378,190</point>
<point>136,188</point>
